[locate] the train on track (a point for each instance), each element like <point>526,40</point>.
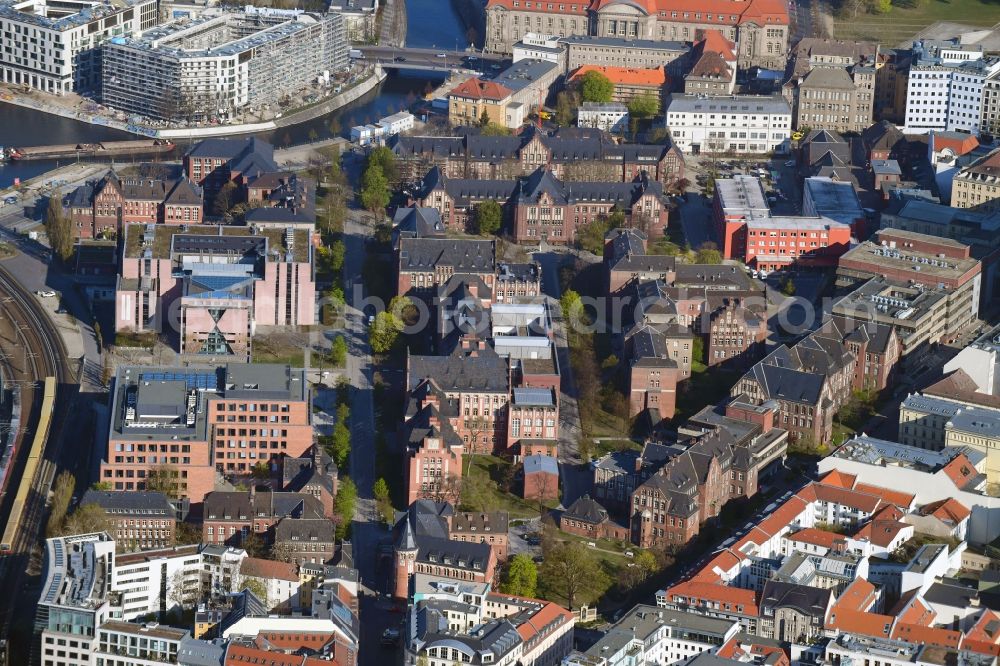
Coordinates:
<point>9,542</point>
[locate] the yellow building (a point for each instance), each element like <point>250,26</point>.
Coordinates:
<point>468,101</point>
<point>978,185</point>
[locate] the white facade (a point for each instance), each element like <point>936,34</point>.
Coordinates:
<point>122,644</point>
<point>611,117</point>
<point>158,581</point>
<point>742,124</point>
<point>47,50</point>
<point>539,47</point>
<point>944,90</point>
<point>385,128</point>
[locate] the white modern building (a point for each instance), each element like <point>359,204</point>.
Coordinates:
<point>540,47</point>
<point>75,597</point>
<point>944,90</point>
<point>158,581</point>
<point>745,124</point>
<point>214,66</point>
<point>53,46</point>
<point>385,128</point>
<point>651,635</point>
<point>125,644</point>
<point>611,117</point>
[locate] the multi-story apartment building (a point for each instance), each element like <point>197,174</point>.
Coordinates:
<point>508,98</point>
<point>142,520</point>
<point>760,28</point>
<point>748,231</point>
<point>977,185</point>
<point>193,424</point>
<point>474,100</point>
<point>214,284</point>
<point>892,70</point>
<point>218,65</point>
<point>655,355</point>
<point>542,207</point>
<point>228,517</point>
<point>629,82</point>
<point>737,331</point>
<point>945,86</point>
<point>713,66</point>
<point>832,84</point>
<point>611,117</point>
<point>572,154</point>
<point>74,599</point>
<point>625,52</point>
<point>214,162</point>
<point>744,124</point>
<point>55,46</point>
<point>315,474</point>
<point>106,205</point>
<point>158,581</point>
<point>129,644</point>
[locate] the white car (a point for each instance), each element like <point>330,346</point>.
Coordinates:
<point>442,55</point>
<point>45,293</point>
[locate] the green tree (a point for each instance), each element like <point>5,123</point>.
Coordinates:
<point>383,332</point>
<point>708,253</point>
<point>698,349</point>
<point>336,255</point>
<point>162,479</point>
<point>253,544</point>
<point>883,6</point>
<point>261,470</point>
<point>495,129</point>
<point>788,286</point>
<point>383,500</point>
<point>338,352</point>
<point>186,533</point>
<point>484,118</point>
<point>224,199</point>
<point>521,577</point>
<point>646,562</point>
<point>257,587</point>
<point>572,306</point>
<point>644,106</point>
<point>383,158</point>
<point>567,103</point>
<point>59,229</point>
<point>569,569</point>
<point>62,495</point>
<point>347,497</point>
<point>374,190</point>
<point>595,87</point>
<point>340,448</point>
<point>590,237</point>
<point>487,217</point>
<point>313,135</point>
<point>87,519</point>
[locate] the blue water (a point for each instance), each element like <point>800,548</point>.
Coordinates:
<point>430,24</point>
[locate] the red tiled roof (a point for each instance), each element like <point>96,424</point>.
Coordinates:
<point>715,41</point>
<point>837,478</point>
<point>858,596</point>
<point>899,498</point>
<point>960,145</point>
<point>984,636</point>
<point>728,597</point>
<point>961,471</point>
<point>626,76</point>
<point>241,654</point>
<point>858,622</point>
<point>947,510</point>
<point>816,537</point>
<point>808,493</point>
<point>549,614</point>
<point>915,611</point>
<point>917,633</point>
<point>849,498</point>
<point>755,536</point>
<point>881,532</point>
<point>480,89</point>
<point>260,568</point>
<point>721,12</point>
<point>783,516</point>
<point>724,561</point>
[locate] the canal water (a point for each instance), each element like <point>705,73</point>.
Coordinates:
<point>431,24</point>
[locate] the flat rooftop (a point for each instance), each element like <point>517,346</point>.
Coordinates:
<point>881,452</point>
<point>64,15</point>
<point>923,265</point>
<point>164,241</point>
<point>733,104</point>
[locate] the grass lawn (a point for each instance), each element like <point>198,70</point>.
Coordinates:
<point>266,351</point>
<point>606,446</point>
<point>703,387</point>
<point>908,17</point>
<point>610,564</point>
<point>130,339</point>
<point>486,471</point>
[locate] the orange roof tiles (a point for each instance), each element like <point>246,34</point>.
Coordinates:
<point>857,622</point>
<point>260,568</point>
<point>716,42</point>
<point>837,478</point>
<point>849,498</point>
<point>242,654</point>
<point>947,510</point>
<point>958,145</point>
<point>654,77</point>
<point>960,470</point>
<point>899,498</point>
<point>984,636</point>
<point>808,493</point>
<point>549,614</point>
<point>721,12</point>
<point>915,611</point>
<point>858,596</point>
<point>816,537</point>
<point>480,89</point>
<point>917,633</point>
<point>881,532</point>
<point>755,536</point>
<point>730,598</point>
<point>724,561</point>
<point>783,516</point>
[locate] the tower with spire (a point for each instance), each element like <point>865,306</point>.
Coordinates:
<point>406,557</point>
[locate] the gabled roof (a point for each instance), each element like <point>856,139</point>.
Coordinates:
<point>586,510</point>
<point>897,497</point>
<point>961,472</point>
<point>918,633</point>
<point>729,598</point>
<point>948,510</point>
<point>267,569</point>
<point>812,601</point>
<point>816,537</point>
<point>840,479</point>
<point>625,76</point>
<point>480,89</point>
<point>849,498</point>
<point>710,65</point>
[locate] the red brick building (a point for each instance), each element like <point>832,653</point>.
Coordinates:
<point>653,372</point>
<point>737,332</point>
<point>541,478</point>
<point>212,163</point>
<point>196,423</point>
<point>315,474</point>
<point>587,518</point>
<point>748,231</point>
<point>425,265</point>
<point>480,527</point>
<point>228,517</point>
<point>110,203</point>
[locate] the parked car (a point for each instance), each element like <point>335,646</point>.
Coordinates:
<point>390,636</point>
<point>45,293</point>
<point>10,200</point>
<point>442,55</point>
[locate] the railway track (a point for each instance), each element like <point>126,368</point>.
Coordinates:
<point>31,350</point>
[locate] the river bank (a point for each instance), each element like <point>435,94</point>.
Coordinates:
<point>36,102</point>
